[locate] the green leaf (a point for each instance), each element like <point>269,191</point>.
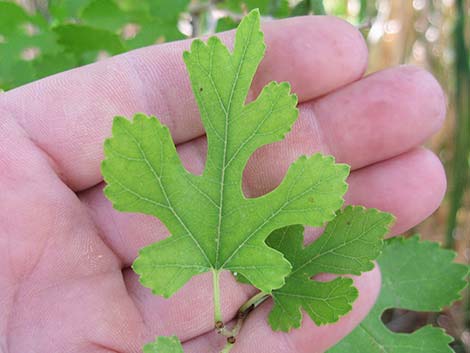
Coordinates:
<point>225,24</point>
<point>81,39</point>
<point>165,9</point>
<point>154,31</point>
<point>317,7</point>
<point>416,275</point>
<point>20,33</point>
<point>213,225</point>
<point>348,245</point>
<point>156,20</point>
<point>275,8</point>
<point>164,345</point>
<point>11,16</point>
<point>301,9</point>
<point>308,7</point>
<point>47,65</point>
<point>63,10</point>
<point>163,22</point>
<point>104,14</point>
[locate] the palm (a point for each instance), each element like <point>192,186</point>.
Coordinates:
<point>65,282</point>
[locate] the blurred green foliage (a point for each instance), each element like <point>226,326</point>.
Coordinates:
<point>70,33</point>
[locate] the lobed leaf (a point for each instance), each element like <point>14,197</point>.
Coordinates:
<point>213,226</point>
<point>416,275</point>
<point>348,245</point>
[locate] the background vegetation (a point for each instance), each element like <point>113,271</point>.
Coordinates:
<point>43,37</point>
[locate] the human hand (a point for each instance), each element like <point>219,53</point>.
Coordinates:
<point>65,281</point>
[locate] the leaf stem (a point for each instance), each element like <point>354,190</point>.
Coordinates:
<point>217,308</point>
<point>246,309</point>
<point>253,302</point>
<point>228,347</point>
<point>243,313</point>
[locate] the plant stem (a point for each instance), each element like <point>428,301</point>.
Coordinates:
<point>228,347</point>
<point>243,313</point>
<point>246,309</point>
<point>460,168</point>
<point>363,11</point>
<point>253,302</point>
<point>217,308</point>
<point>462,128</point>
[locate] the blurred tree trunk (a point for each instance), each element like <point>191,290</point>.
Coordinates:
<point>393,33</point>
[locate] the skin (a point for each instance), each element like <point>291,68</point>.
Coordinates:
<point>65,282</point>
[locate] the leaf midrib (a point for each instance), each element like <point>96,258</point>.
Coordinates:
<point>224,160</point>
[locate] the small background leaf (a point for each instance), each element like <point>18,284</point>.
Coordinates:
<point>22,38</point>
<point>416,276</point>
<point>82,39</point>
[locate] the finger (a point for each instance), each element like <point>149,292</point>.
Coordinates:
<point>400,185</point>
<point>257,336</point>
<point>419,173</point>
<point>376,118</point>
<point>70,114</point>
<point>381,116</point>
